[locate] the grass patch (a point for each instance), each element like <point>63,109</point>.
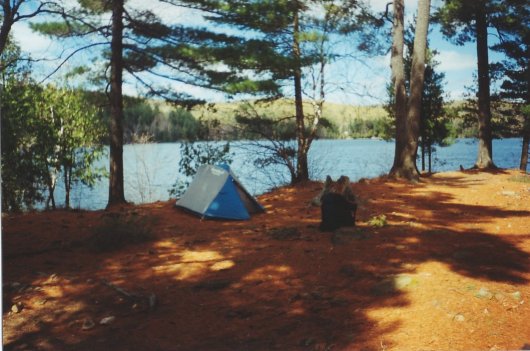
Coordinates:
<point>378,221</point>
<point>119,231</point>
<point>520,179</point>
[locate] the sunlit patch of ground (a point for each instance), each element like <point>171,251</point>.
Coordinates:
<point>439,265</point>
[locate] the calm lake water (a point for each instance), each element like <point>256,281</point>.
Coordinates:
<point>152,169</point>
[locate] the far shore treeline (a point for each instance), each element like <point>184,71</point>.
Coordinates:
<point>147,120</point>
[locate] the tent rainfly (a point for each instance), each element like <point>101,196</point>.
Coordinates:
<point>215,192</point>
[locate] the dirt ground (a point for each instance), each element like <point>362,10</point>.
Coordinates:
<point>448,269</point>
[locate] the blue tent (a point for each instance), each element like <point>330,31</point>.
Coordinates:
<point>215,192</point>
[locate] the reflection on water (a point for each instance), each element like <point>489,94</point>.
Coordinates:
<point>152,169</point>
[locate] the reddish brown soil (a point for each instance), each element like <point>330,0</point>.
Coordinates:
<point>449,271</point>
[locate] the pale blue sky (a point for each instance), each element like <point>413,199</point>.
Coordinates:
<point>353,82</point>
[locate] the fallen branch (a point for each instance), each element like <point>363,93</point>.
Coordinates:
<point>122,291</point>
<point>151,300</point>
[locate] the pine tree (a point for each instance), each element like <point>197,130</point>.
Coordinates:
<point>513,24</point>
<point>14,11</point>
<point>286,32</point>
<point>140,45</point>
<point>433,126</point>
<point>465,21</point>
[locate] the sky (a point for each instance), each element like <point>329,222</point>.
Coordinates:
<point>358,82</point>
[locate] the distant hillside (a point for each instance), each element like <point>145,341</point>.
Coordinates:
<point>340,115</point>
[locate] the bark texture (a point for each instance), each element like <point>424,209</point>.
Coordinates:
<point>408,110</point>
<point>116,187</point>
<point>526,128</point>
<point>485,150</point>
<point>398,81</point>
<point>302,170</point>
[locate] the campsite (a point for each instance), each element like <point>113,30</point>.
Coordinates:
<point>255,175</point>
<point>438,265</point>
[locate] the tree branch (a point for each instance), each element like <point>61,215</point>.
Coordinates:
<point>70,56</point>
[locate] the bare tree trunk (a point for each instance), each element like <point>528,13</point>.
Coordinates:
<point>398,80</point>
<point>524,150</point>
<point>423,153</point>
<point>485,150</point>
<point>50,199</point>
<point>116,188</point>
<point>302,172</point>
<point>51,190</point>
<point>405,158</point>
<point>526,127</point>
<point>416,88</point>
<point>67,185</point>
<point>525,147</point>
<point>7,23</point>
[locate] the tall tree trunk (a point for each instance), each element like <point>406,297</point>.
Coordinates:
<point>398,80</point>
<point>417,78</point>
<point>485,150</point>
<point>51,190</point>
<point>526,127</point>
<point>7,23</point>
<point>405,159</point>
<point>116,188</point>
<point>50,199</point>
<point>423,153</point>
<point>67,185</point>
<point>302,171</point>
<point>524,150</point>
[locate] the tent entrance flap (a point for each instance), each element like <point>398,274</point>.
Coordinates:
<point>215,192</point>
<point>250,203</point>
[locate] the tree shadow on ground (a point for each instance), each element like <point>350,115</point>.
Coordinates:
<point>274,282</point>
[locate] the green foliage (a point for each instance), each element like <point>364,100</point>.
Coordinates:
<point>181,53</point>
<point>292,43</point>
<point>378,221</point>
<point>462,120</point>
<point>152,120</point>
<point>526,110</point>
<point>507,117</point>
<point>265,126</point>
<point>514,70</point>
<point>381,127</point>
<point>138,116</point>
<point>118,231</point>
<point>23,161</point>
<point>47,133</point>
<point>24,170</point>
<point>520,179</point>
<point>72,139</point>
<point>335,122</point>
<point>182,126</point>
<point>456,18</point>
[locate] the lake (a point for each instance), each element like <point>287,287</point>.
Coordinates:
<point>152,169</point>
